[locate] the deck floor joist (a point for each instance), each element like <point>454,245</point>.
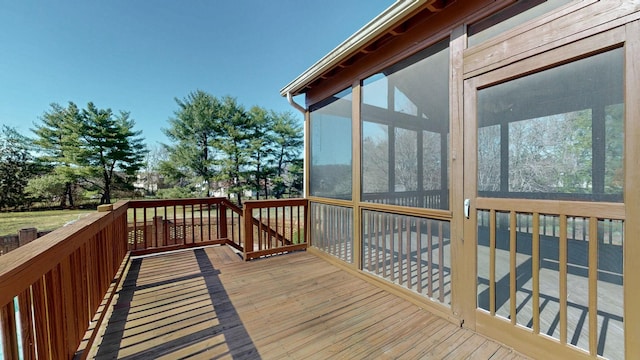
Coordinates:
<point>208,304</point>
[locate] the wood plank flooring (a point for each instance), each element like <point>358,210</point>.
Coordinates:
<point>209,304</point>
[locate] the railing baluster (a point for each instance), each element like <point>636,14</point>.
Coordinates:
<point>512,266</point>
<point>155,227</point>
<point>492,261</point>
<point>400,248</point>
<point>535,257</point>
<point>135,229</point>
<point>145,237</point>
<point>174,228</point>
<point>430,256</point>
<point>563,259</point>
<point>593,286</point>
<point>392,229</point>
<point>209,221</point>
<point>40,313</point>
<point>25,306</point>
<point>291,239</point>
<point>261,244</point>
<point>345,225</point>
<point>441,261</point>
<point>269,239</point>
<point>276,223</point>
<point>377,219</point>
<point>370,237</point>
<point>332,226</point>
<point>166,235</point>
<point>419,254</point>
<point>9,335</point>
<point>55,313</point>
<point>300,239</point>
<point>193,224</point>
<point>408,248</point>
<point>201,227</point>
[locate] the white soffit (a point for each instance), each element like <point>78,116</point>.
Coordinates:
<point>382,23</point>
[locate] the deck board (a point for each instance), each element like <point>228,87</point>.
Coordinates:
<point>208,303</point>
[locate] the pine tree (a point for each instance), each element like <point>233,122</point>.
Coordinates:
<point>16,168</point>
<point>288,143</point>
<point>109,144</point>
<point>58,139</point>
<point>194,129</point>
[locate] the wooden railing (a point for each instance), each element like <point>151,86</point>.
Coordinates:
<point>162,225</point>
<point>52,289</point>
<point>433,199</point>
<point>53,286</point>
<point>609,231</point>
<point>274,226</point>
<point>23,237</point>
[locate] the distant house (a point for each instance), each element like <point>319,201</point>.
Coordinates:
<point>481,158</point>
<point>148,182</point>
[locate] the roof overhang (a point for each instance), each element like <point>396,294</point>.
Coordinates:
<point>368,33</point>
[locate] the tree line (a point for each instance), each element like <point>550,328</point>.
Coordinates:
<point>218,144</point>
<point>215,144</point>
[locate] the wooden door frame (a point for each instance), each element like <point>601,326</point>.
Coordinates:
<point>520,338</point>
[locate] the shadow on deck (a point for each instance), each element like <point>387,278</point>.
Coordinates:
<point>208,303</point>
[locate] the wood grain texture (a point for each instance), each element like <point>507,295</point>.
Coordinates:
<point>211,304</point>
<point>632,189</point>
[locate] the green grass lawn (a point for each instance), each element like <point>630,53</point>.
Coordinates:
<point>11,223</point>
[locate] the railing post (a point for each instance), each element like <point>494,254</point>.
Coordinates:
<point>27,235</point>
<point>307,223</point>
<point>222,222</point>
<point>247,214</point>
<point>167,225</point>
<point>158,231</point>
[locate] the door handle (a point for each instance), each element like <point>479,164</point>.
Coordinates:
<point>467,205</point>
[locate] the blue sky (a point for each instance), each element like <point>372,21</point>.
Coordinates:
<point>137,56</point>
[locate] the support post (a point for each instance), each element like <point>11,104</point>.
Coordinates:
<point>247,214</point>
<point>27,235</point>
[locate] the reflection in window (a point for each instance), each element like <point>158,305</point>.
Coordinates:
<point>406,160</point>
<point>330,173</point>
<point>375,157</point>
<point>489,158</point>
<point>556,134</point>
<point>551,154</point>
<point>405,127</point>
<point>432,160</point>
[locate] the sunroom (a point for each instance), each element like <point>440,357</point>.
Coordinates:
<point>480,159</point>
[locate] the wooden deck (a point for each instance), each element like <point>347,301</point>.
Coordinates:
<point>207,303</point>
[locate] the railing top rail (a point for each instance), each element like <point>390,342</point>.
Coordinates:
<point>25,265</point>
<point>259,204</point>
<point>235,208</point>
<point>135,204</point>
<point>405,193</point>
